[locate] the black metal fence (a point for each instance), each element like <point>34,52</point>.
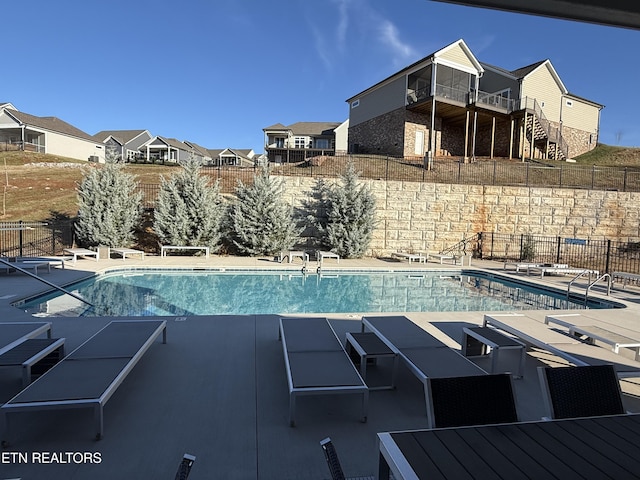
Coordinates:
<point>29,239</point>
<point>603,255</point>
<point>452,171</point>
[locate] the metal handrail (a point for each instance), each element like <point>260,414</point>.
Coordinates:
<point>591,284</point>
<point>57,287</point>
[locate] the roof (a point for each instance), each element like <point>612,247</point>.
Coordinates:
<point>428,58</point>
<point>198,149</point>
<point>122,136</point>
<point>53,124</point>
<point>307,128</point>
<point>524,71</point>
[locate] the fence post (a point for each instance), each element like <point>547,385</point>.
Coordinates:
<point>593,177</point>
<point>53,240</point>
<point>608,257</point>
<point>20,239</point>
<point>561,170</point>
<point>624,181</point>
<point>558,250</point>
<point>386,175</point>
<point>495,164</point>
<point>521,245</point>
<point>527,176</point>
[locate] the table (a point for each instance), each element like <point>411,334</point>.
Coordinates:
<point>585,448</point>
<point>81,252</point>
<point>365,346</point>
<point>477,340</point>
<point>164,248</point>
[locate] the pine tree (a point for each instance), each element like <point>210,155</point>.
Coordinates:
<point>344,214</point>
<point>109,206</point>
<point>189,212</point>
<point>261,223</point>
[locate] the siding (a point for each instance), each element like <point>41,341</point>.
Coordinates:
<point>581,115</point>
<point>492,82</point>
<point>383,99</point>
<point>541,85</point>
<point>57,144</point>
<point>457,55</point>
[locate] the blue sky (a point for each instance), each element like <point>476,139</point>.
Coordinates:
<point>217,72</point>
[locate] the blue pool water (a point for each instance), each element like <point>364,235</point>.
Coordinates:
<point>185,293</point>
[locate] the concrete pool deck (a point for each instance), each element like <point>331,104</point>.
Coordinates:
<point>218,390</point>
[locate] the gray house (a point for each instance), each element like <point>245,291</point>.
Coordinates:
<point>299,141</point>
<point>165,150</point>
<point>451,104</point>
<point>126,143</point>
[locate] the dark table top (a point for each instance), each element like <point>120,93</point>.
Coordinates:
<point>587,448</point>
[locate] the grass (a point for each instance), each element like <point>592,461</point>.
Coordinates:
<point>33,190</point>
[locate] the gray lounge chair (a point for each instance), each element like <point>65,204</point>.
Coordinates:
<point>317,363</point>
<point>425,355</point>
<point>89,375</point>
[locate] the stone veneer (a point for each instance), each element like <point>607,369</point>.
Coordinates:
<point>421,217</point>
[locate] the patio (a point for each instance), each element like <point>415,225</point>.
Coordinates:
<point>218,390</point>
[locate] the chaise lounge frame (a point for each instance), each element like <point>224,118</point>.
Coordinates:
<point>317,363</point>
<point>100,365</point>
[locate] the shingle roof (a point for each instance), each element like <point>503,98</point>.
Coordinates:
<point>276,126</point>
<point>123,136</point>
<point>53,124</point>
<point>524,71</point>
<point>307,128</point>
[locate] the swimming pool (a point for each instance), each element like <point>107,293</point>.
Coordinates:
<point>156,292</point>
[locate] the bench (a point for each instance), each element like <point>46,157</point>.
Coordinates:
<point>411,257</point>
<point>81,252</point>
<point>165,248</point>
<point>123,252</point>
<point>291,254</point>
<point>324,254</point>
<point>478,341</point>
<point>625,277</point>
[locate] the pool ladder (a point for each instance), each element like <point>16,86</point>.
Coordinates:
<point>591,284</point>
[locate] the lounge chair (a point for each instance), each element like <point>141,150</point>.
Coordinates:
<point>425,355</point>
<point>185,467</point>
<point>587,391</point>
<point>410,257</point>
<point>317,363</point>
<point>520,265</point>
<point>333,462</point>
<point>583,327</point>
<point>568,347</point>
<point>89,375</point>
<point>17,266</point>
<point>474,400</point>
<point>560,269</point>
<point>13,334</point>
<point>321,255</point>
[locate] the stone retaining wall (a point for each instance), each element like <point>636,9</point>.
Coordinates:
<point>423,217</point>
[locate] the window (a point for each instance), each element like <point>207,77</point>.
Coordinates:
<point>279,142</point>
<point>355,103</point>
<point>322,143</point>
<point>299,142</point>
<point>569,103</point>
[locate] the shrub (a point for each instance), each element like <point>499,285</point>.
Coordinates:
<point>109,207</point>
<point>260,222</point>
<point>344,214</point>
<point>189,211</point>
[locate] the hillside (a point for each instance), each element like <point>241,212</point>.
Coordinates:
<point>38,187</point>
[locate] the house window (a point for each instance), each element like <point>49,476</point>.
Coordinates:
<point>299,142</point>
<point>355,103</point>
<point>569,103</point>
<point>279,142</point>
<point>322,143</point>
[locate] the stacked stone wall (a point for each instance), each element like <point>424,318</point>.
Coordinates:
<point>421,217</point>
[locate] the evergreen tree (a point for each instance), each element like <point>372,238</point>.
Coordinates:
<point>189,212</point>
<point>261,223</point>
<point>344,214</point>
<point>109,206</point>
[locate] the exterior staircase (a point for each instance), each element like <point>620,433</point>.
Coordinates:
<point>545,137</point>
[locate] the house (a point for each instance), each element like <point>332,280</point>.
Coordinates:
<point>233,157</point>
<point>200,153</point>
<point>125,143</point>
<point>299,141</point>
<point>163,150</point>
<point>451,104</point>
<point>47,135</point>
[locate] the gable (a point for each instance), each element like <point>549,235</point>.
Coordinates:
<point>545,86</point>
<point>458,55</point>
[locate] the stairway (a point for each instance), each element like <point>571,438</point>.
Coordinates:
<point>550,143</point>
